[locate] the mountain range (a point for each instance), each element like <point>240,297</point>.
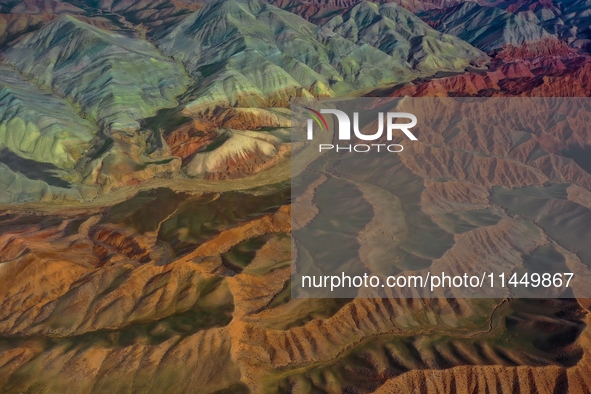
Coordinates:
<point>121,77</point>
<point>145,221</point>
<point>221,69</point>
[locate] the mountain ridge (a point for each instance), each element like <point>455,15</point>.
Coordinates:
<point>487,28</point>
<point>68,46</point>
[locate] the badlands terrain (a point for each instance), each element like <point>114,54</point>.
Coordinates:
<point>145,196</point>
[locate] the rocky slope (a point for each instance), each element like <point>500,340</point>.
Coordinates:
<point>316,6</point>
<point>226,44</point>
<point>14,25</point>
<point>488,28</point>
<point>42,138</point>
<point>39,126</point>
<point>540,77</point>
<point>402,35</point>
<point>569,19</point>
<point>116,80</point>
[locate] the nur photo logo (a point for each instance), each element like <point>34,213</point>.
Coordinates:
<point>389,121</point>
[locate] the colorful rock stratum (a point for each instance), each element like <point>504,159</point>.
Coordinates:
<point>145,196</point>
